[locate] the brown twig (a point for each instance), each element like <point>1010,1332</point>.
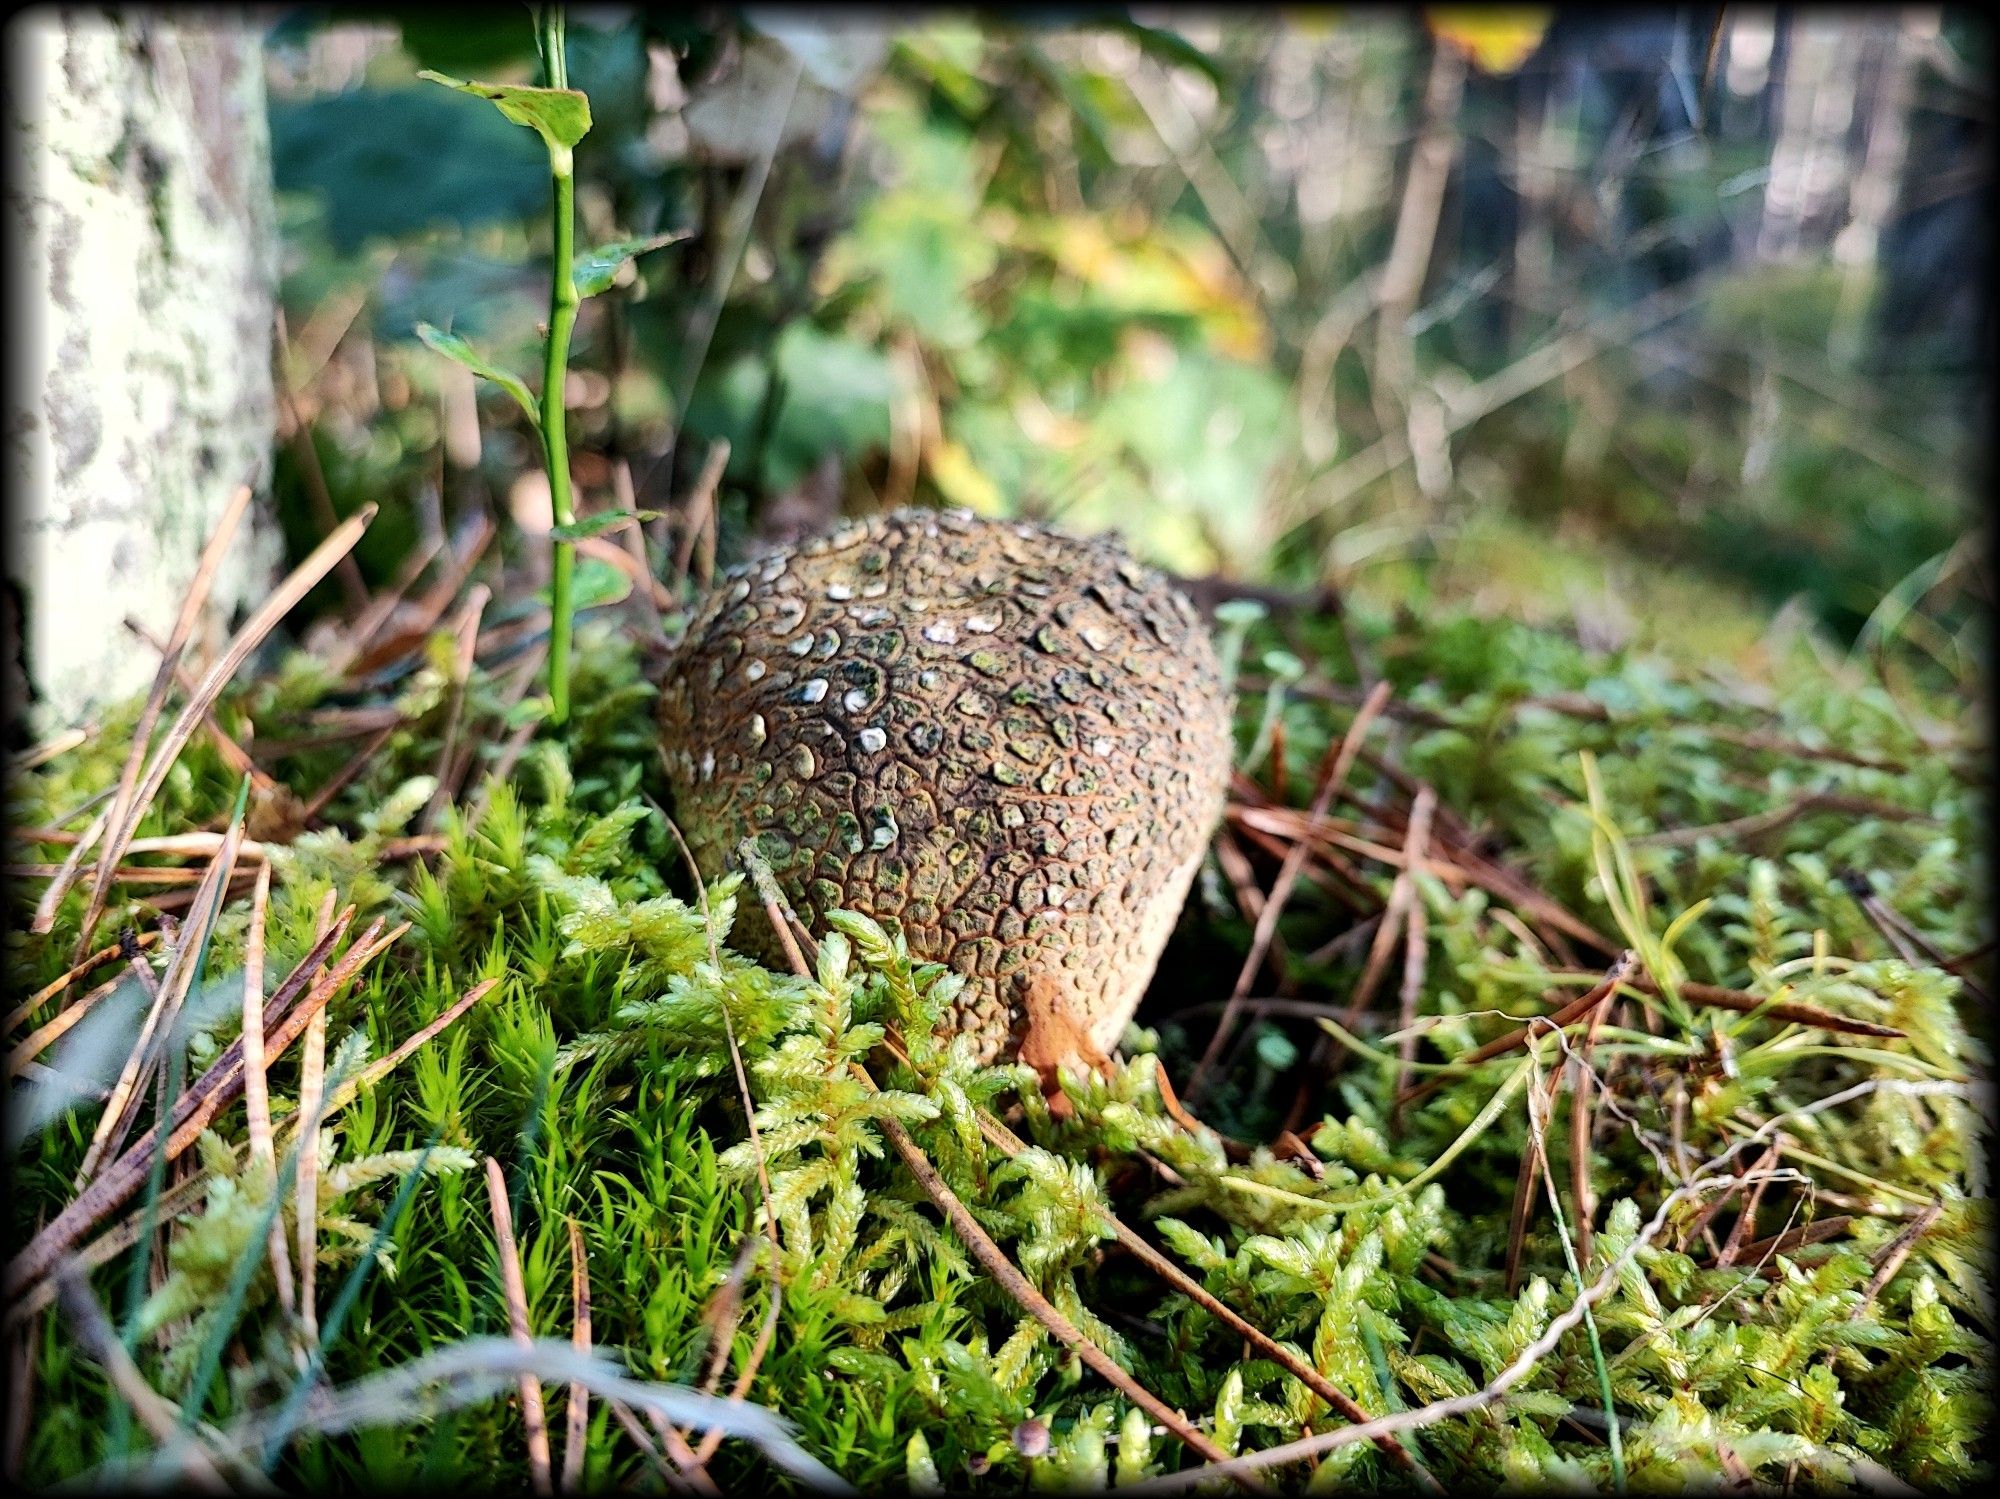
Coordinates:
<point>1791,1238</point>
<point>1890,1259</point>
<point>1017,1285</point>
<point>164,1011</point>
<point>1012,1145</point>
<point>1583,1127</point>
<point>1566,1015</point>
<point>468,639</point>
<point>42,1038</point>
<point>375,1071</point>
<point>698,518</point>
<point>627,498</point>
<point>305,1181</point>
<point>1713,996</point>
<point>234,755</point>
<point>1333,776</point>
<point>49,749</point>
<point>1525,1196</point>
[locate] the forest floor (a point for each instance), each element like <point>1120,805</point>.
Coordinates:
<point>1599,1106</point>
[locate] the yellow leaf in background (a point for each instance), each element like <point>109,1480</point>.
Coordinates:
<point>1311,20</point>
<point>1498,40</point>
<point>960,480</point>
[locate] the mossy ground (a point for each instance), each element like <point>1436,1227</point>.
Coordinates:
<point>598,1073</point>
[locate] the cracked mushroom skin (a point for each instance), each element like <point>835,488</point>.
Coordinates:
<point>1012,742</point>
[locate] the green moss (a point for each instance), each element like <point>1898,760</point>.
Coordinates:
<point>599,1075</point>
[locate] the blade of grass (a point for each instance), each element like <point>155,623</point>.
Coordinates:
<point>122,802</point>
<point>517,1320</point>
<point>128,811</point>
<point>576,1416</point>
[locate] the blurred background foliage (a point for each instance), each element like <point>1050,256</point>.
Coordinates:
<point>1667,320</point>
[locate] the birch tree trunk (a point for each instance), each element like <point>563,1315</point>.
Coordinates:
<point>147,272</point>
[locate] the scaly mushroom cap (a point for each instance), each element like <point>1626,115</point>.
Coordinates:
<point>1011,741</point>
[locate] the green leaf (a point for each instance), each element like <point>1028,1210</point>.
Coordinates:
<point>455,348</point>
<point>598,524</point>
<point>594,270</point>
<point>561,116</point>
<point>529,710</point>
<point>596,582</point>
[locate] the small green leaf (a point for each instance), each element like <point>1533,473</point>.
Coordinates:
<point>561,116</point>
<point>598,524</point>
<point>596,582</point>
<point>594,270</point>
<point>455,348</point>
<point>529,710</point>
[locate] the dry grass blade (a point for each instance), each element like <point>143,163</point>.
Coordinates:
<point>422,616</point>
<point>1525,1197</point>
<point>348,773</point>
<point>312,1079</point>
<point>200,1103</point>
<point>625,494</point>
<point>1715,997</point>
<point>124,947</point>
<point>1890,1259</point>
<point>1017,1285</point>
<point>768,888</point>
<point>166,1006</point>
<point>43,1037</point>
<point>576,1420</point>
<point>234,755</point>
<point>1332,777</point>
<point>623,1414</point>
<point>120,816</point>
<point>65,876</point>
<point>49,749</point>
<point>256,1089</point>
<point>1583,1128</point>
<point>375,1071</point>
<point>128,810</point>
<point>517,1323</point>
<point>1380,947</point>
<point>461,673</point>
<point>975,1238</point>
<point>1817,1232</point>
<point>1416,934</point>
<point>371,620</point>
<point>155,1412</point>
<point>1707,1179</point>
<point>1567,1015</point>
<point>1010,1144</point>
<point>698,518</point>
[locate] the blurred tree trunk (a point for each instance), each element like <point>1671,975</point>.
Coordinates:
<point>148,273</point>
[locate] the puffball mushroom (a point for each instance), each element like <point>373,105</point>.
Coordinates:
<point>1011,742</point>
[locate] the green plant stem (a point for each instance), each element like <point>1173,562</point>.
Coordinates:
<point>563,302</point>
